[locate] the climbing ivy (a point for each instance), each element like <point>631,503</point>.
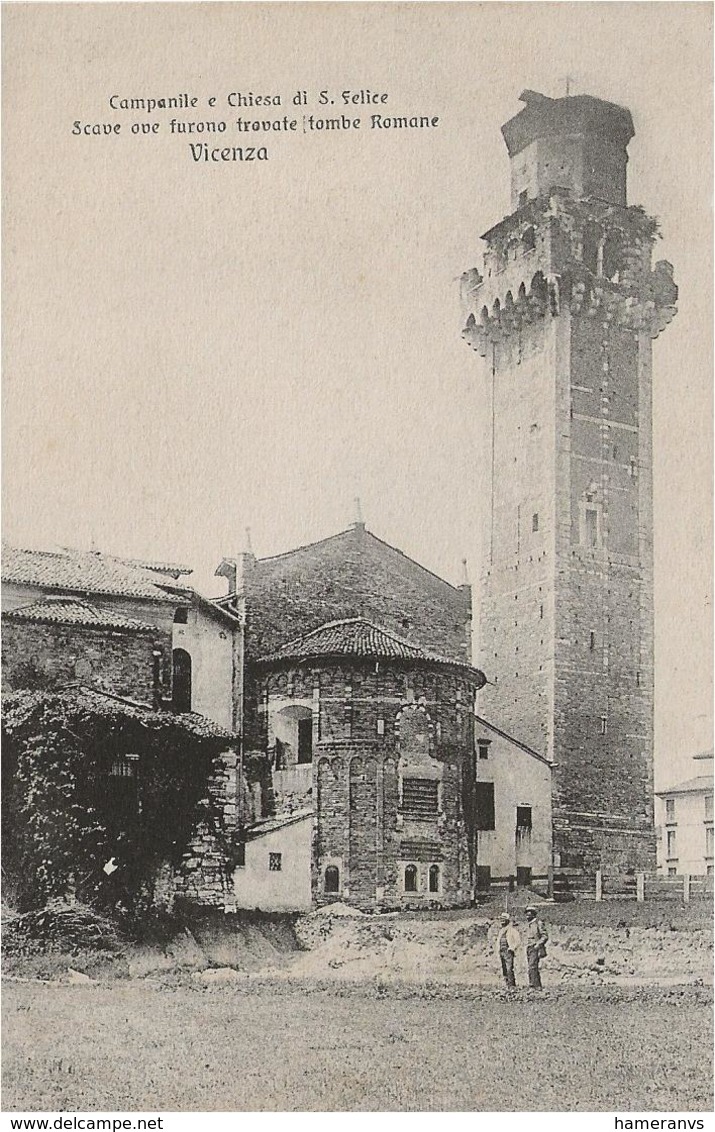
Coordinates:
<point>63,818</point>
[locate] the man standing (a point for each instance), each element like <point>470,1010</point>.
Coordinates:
<point>536,940</point>
<point>508,941</point>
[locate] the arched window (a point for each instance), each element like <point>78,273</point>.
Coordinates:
<point>411,878</point>
<point>332,879</point>
<point>181,682</point>
<point>434,878</point>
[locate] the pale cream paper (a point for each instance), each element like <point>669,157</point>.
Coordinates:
<point>192,347</point>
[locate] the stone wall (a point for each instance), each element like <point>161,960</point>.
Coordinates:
<point>37,656</point>
<point>353,574</point>
<point>205,875</point>
<point>377,724</point>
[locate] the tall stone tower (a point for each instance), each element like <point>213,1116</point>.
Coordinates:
<point>564,316</point>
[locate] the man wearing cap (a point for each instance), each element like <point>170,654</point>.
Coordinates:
<point>536,940</point>
<point>508,940</point>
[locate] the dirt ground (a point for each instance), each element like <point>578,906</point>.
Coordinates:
<point>339,1011</point>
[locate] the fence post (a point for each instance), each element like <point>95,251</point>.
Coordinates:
<point>599,885</point>
<point>550,882</point>
<point>640,887</point>
<point>686,888</point>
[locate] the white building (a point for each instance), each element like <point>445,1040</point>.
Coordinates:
<point>684,817</point>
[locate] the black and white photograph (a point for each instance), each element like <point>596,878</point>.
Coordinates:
<point>357,737</point>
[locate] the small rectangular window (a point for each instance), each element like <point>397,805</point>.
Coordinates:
<point>709,834</point>
<point>523,819</point>
<point>275,862</point>
<point>240,855</point>
<point>381,726</point>
<point>670,809</point>
<point>124,767</point>
<point>670,845</point>
<point>604,725</point>
<point>483,745</point>
<point>535,521</point>
<point>708,807</point>
<point>672,872</point>
<point>592,644</point>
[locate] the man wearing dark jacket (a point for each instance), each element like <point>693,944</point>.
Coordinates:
<point>536,940</point>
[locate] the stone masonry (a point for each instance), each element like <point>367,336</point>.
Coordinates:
<point>564,317</point>
<point>392,756</point>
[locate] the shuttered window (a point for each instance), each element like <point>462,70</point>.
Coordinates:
<point>420,797</point>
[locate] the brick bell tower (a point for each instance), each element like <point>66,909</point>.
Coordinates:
<point>564,317</point>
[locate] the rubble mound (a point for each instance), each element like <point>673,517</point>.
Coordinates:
<point>68,928</point>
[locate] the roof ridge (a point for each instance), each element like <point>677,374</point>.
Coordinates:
<point>363,531</point>
<point>307,545</point>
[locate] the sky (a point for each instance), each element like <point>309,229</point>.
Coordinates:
<point>193,348</point>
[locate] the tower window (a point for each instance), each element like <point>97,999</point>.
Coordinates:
<point>535,521</point>
<point>411,878</point>
<point>591,534</point>
<point>332,879</point>
<point>434,878</point>
<point>592,644</point>
<point>604,725</point>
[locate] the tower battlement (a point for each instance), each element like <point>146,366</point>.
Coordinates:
<point>593,256</point>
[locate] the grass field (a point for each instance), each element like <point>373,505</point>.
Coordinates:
<point>262,1045</point>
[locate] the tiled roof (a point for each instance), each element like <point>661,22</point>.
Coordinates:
<point>173,569</point>
<point>692,786</point>
<point>72,611</point>
<point>83,572</point>
<point>19,707</point>
<point>279,821</point>
<point>356,637</point>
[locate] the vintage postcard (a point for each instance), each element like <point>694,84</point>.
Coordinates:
<point>356,573</point>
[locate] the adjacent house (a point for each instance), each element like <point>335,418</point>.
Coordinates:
<point>130,627</point>
<point>684,816</point>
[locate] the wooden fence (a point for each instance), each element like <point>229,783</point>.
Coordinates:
<point>567,884</point>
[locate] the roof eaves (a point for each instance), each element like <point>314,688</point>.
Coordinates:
<point>517,742</point>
